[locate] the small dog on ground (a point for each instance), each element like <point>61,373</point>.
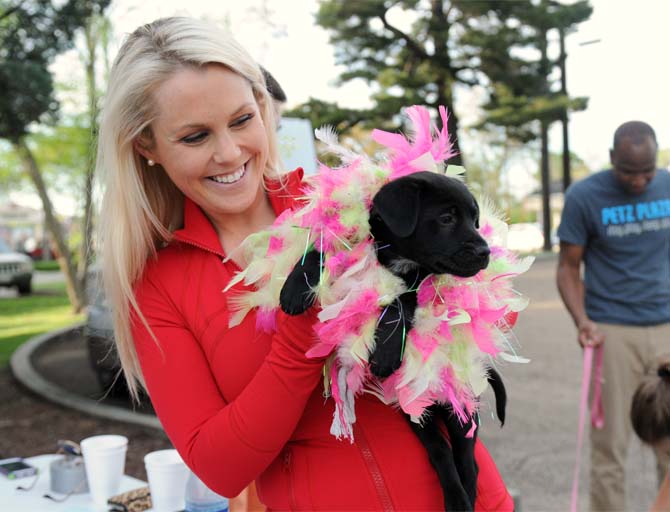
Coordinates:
<point>424,223</point>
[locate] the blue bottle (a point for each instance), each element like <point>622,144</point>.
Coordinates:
<point>199,498</point>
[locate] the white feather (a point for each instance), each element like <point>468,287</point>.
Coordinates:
<point>425,162</point>
<point>512,358</point>
<point>328,136</point>
<point>333,310</point>
<point>238,278</point>
<point>455,171</point>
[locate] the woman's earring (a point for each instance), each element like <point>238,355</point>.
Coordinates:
<point>151,163</point>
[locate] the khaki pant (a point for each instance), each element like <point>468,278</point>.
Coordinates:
<point>629,353</point>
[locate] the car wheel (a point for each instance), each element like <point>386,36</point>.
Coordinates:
<point>25,287</point>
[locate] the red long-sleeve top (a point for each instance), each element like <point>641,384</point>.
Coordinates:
<point>242,405</point>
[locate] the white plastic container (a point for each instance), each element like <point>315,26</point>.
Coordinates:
<point>167,475</point>
<point>105,460</point>
<point>199,498</point>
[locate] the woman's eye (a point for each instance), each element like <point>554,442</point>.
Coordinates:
<point>195,138</point>
<point>242,120</point>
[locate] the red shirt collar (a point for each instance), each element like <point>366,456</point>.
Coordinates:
<point>199,231</point>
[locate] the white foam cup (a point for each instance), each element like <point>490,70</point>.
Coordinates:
<point>167,474</point>
<point>105,461</point>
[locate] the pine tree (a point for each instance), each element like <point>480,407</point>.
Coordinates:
<point>420,51</point>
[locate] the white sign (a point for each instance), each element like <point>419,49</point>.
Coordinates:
<point>295,138</point>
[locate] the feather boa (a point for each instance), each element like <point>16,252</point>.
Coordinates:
<point>460,323</point>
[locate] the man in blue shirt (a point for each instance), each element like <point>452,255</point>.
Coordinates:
<point>617,223</point>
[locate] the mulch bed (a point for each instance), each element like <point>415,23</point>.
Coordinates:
<point>30,425</point>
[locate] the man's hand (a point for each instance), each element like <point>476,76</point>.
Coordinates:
<point>588,334</point>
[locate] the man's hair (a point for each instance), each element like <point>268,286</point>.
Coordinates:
<point>273,86</point>
<point>637,131</point>
<point>650,408</point>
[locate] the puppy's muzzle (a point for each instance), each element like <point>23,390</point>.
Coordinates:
<point>466,262</point>
<point>479,254</point>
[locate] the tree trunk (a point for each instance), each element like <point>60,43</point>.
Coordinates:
<point>439,33</point>
<point>544,127</point>
<point>85,254</point>
<point>65,256</point>
<point>546,187</point>
<point>564,117</point>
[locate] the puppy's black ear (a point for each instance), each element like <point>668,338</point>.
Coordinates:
<point>397,203</point>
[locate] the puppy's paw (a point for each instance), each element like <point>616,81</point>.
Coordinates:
<point>297,294</point>
<point>389,342</point>
<point>295,303</point>
<point>382,365</point>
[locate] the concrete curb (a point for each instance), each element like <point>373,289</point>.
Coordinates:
<point>24,371</point>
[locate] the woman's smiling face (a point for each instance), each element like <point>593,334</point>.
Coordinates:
<point>210,139</point>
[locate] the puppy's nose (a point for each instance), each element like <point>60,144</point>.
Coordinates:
<point>482,251</point>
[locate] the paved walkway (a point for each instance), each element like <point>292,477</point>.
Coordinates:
<point>535,451</point>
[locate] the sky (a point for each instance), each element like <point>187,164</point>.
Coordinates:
<point>624,73</point>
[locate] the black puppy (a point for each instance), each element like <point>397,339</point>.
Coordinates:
<point>424,223</point>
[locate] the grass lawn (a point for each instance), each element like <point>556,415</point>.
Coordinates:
<point>21,318</point>
<point>48,266</point>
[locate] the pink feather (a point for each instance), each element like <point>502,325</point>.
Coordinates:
<point>276,245</point>
<point>426,291</point>
<point>350,320</point>
<point>356,378</point>
<point>266,320</point>
<point>413,406</point>
<point>320,350</point>
<point>424,343</point>
<point>407,151</point>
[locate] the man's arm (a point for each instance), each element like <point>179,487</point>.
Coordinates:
<point>571,288</point>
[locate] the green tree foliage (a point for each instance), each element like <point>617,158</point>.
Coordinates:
<point>326,113</point>
<point>513,50</point>
<point>579,168</point>
<point>421,51</point>
<point>32,33</point>
<point>97,30</point>
<point>488,163</point>
<point>403,47</point>
<point>10,169</point>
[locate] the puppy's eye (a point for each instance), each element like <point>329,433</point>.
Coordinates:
<point>448,217</point>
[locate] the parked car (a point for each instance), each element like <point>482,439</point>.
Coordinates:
<point>16,269</point>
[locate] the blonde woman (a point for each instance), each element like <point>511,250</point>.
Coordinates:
<point>187,145</point>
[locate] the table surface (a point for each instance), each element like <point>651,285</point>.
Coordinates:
<point>12,500</point>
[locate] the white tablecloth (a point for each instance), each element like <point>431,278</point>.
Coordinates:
<point>12,500</point>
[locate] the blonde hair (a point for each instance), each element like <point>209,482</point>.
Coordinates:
<point>650,407</point>
<point>141,207</point>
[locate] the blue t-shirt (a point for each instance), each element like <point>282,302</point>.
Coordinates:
<point>626,242</point>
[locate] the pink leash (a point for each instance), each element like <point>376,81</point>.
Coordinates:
<point>597,417</point>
